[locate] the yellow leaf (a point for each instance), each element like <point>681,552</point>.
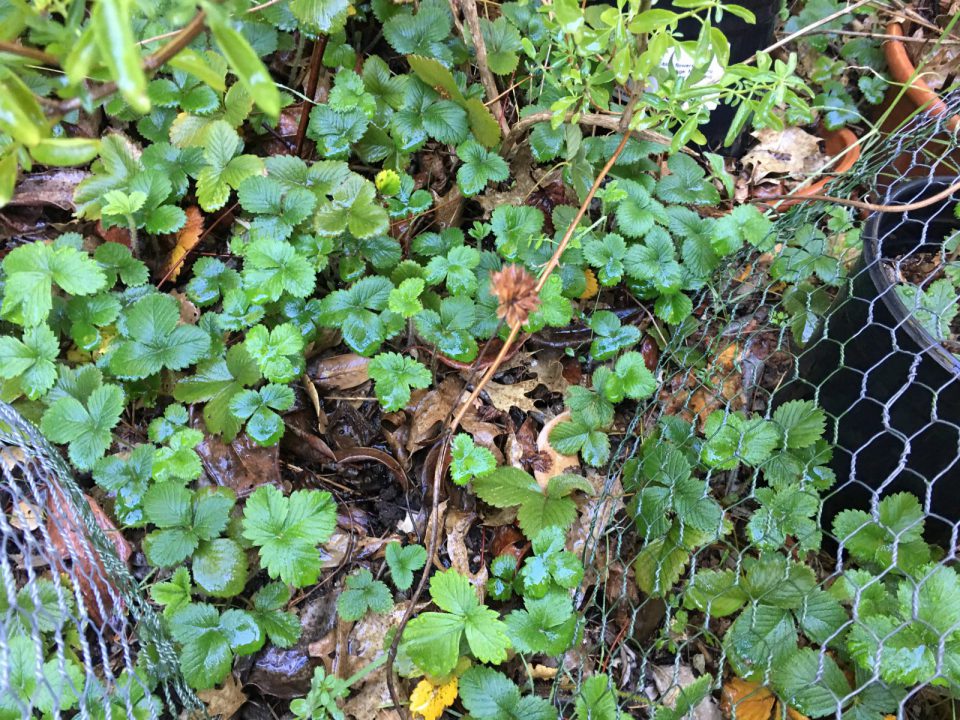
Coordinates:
<point>429,701</point>
<point>592,287</point>
<point>187,240</point>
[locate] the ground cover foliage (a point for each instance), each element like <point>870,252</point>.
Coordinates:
<point>350,316</point>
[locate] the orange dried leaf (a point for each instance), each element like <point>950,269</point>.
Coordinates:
<point>745,700</point>
<point>794,714</point>
<point>187,239</point>
<point>592,286</point>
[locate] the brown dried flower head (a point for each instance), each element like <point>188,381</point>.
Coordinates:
<point>516,292</point>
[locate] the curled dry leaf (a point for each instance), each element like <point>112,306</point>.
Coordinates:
<point>242,464</point>
<point>558,464</point>
<point>429,409</point>
<point>225,700</point>
<point>339,372</point>
<point>187,239</point>
<point>791,151</point>
<point>457,525</point>
<point>364,454</point>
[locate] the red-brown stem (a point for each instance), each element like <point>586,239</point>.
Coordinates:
<point>313,78</point>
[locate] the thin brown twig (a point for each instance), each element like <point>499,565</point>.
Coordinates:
<point>883,36</point>
<point>869,207</point>
<point>313,79</point>
<point>28,52</point>
<point>608,122</point>
<point>544,276</point>
<point>905,12</point>
<point>152,62</point>
<point>486,77</point>
<point>820,22</point>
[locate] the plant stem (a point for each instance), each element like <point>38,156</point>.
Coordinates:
<point>486,77</point>
<point>313,78</point>
<point>28,52</point>
<point>544,276</point>
<point>608,122</point>
<point>869,207</point>
<point>134,240</point>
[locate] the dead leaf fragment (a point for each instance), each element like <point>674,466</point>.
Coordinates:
<point>225,700</point>
<point>77,556</point>
<point>504,397</point>
<point>242,465</point>
<point>53,187</point>
<point>671,680</point>
<point>340,372</point>
<point>791,151</point>
<point>187,239</point>
<point>458,524</point>
<point>558,463</point>
<point>748,700</point>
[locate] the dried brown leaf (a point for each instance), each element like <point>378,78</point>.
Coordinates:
<point>457,525</point>
<point>225,700</point>
<point>339,372</point>
<point>791,151</point>
<point>54,187</point>
<point>429,409</point>
<point>746,700</point>
<point>76,555</point>
<point>242,464</point>
<point>558,464</point>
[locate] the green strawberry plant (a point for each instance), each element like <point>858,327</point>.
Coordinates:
<point>433,639</point>
<point>403,562</point>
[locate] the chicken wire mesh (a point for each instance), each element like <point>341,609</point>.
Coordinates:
<point>740,558</point>
<point>741,570</point>
<point>78,638</point>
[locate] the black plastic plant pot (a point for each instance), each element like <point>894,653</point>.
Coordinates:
<point>890,389</point>
<point>745,40</point>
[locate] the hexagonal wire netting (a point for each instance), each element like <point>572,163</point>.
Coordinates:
<point>736,561</point>
<point>78,638</point>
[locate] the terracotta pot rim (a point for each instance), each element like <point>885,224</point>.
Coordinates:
<point>903,71</point>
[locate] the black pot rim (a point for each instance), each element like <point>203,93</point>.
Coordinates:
<point>872,257</point>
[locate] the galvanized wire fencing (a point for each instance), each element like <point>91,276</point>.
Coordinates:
<point>776,536</point>
<point>78,637</point>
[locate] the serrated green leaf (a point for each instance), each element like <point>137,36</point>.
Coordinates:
<point>287,531</point>
<point>403,561</point>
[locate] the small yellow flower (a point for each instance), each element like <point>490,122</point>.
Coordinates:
<point>592,287</point>
<point>429,700</point>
